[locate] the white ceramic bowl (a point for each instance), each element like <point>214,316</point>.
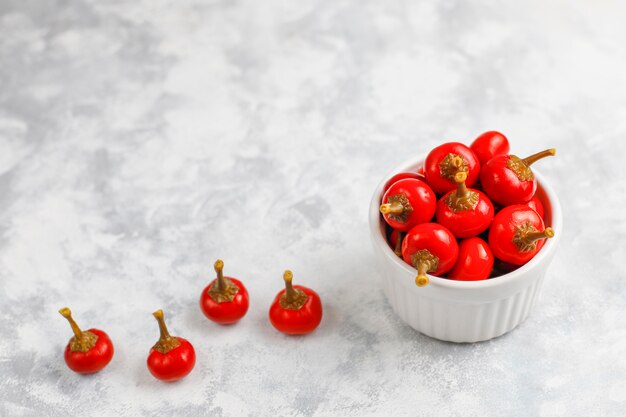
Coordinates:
<point>463,311</point>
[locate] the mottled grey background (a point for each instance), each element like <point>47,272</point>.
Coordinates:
<point>141,140</point>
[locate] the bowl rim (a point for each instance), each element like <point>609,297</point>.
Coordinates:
<point>379,237</point>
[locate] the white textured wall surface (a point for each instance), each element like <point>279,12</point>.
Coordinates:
<point>141,140</point>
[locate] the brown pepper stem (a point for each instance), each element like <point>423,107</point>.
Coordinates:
<point>292,298</point>
<point>219,269</point>
<point>166,342</point>
<point>290,293</point>
<point>546,234</point>
<point>392,208</point>
<point>82,341</point>
<point>539,155</point>
<point>67,313</point>
<point>398,249</point>
<point>165,335</point>
<point>460,178</point>
<point>422,279</point>
<point>451,164</point>
<point>424,262</point>
<point>463,199</point>
<point>222,289</point>
<point>526,236</point>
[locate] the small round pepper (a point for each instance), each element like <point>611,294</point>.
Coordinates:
<point>172,357</point>
<point>225,300</point>
<point>88,351</point>
<point>296,310</point>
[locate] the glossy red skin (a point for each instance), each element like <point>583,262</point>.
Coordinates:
<point>469,223</point>
<point>503,186</point>
<point>435,238</point>
<point>94,359</point>
<point>228,312</point>
<point>475,261</point>
<point>490,144</point>
<point>173,365</point>
<point>421,198</point>
<point>536,205</point>
<point>403,176</point>
<point>503,230</point>
<point>297,322</point>
<point>432,170</point>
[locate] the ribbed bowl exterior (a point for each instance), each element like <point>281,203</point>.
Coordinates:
<point>459,311</point>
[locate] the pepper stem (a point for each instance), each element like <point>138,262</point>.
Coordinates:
<point>392,208</point>
<point>456,162</point>
<point>290,292</point>
<point>67,313</point>
<point>165,335</point>
<point>422,279</point>
<point>219,269</point>
<point>398,249</point>
<point>546,234</point>
<point>460,178</point>
<point>82,341</point>
<point>539,155</point>
<point>292,298</point>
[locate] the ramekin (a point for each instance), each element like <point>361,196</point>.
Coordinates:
<point>463,311</point>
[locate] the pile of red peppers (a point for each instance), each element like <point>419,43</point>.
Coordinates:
<point>487,218</point>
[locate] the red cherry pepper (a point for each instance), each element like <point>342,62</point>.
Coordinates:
<point>443,162</point>
<point>88,351</point>
<point>225,300</point>
<point>408,202</point>
<point>475,261</point>
<point>517,234</point>
<point>490,144</point>
<point>171,358</point>
<point>536,205</point>
<point>296,310</point>
<point>431,249</point>
<point>466,212</point>
<point>508,180</point>
<point>403,176</point>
